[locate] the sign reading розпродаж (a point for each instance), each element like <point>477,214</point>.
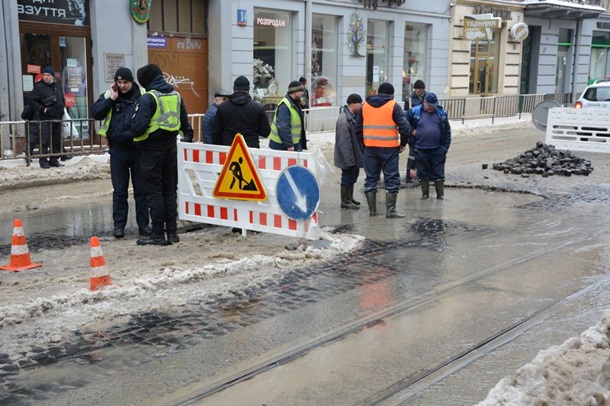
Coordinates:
<point>70,12</point>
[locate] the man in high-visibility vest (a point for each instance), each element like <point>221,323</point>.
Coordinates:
<point>159,118</point>
<point>115,108</point>
<point>287,130</point>
<point>383,129</point>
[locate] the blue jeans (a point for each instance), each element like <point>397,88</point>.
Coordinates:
<point>430,163</point>
<point>377,159</point>
<point>349,176</point>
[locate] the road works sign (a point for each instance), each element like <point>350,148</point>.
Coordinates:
<point>239,179</point>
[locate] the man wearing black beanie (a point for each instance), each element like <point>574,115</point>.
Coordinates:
<point>115,108</point>
<point>156,136</point>
<point>240,114</point>
<point>383,129</point>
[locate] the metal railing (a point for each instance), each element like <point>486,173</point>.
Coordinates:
<point>83,139</point>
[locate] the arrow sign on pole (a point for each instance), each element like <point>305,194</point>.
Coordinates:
<point>298,193</point>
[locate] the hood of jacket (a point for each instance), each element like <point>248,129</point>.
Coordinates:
<point>240,98</point>
<point>159,84</point>
<point>379,100</point>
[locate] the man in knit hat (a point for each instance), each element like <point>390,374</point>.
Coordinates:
<point>383,129</point>
<point>287,130</point>
<point>348,151</point>
<point>115,108</point>
<point>220,96</point>
<point>240,114</point>
<point>48,100</point>
<point>155,135</point>
<point>416,98</point>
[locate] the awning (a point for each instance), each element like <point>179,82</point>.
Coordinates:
<point>561,9</point>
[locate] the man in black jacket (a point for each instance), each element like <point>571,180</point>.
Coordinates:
<point>115,108</point>
<point>240,114</point>
<point>48,100</point>
<point>159,118</point>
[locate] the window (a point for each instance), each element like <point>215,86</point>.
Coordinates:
<point>377,59</point>
<point>415,56</point>
<point>186,16</point>
<point>272,50</point>
<point>323,60</point>
<point>484,57</point>
<point>599,56</point>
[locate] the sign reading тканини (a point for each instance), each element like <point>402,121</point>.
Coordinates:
<point>481,26</point>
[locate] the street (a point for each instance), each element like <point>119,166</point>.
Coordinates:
<point>439,305</point>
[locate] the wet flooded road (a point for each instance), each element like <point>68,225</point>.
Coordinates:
<point>421,295</point>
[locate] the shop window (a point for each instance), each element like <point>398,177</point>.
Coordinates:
<point>562,73</point>
<point>415,56</point>
<point>599,56</point>
<point>272,55</point>
<point>184,16</point>
<point>377,56</point>
<point>324,53</point>
<point>484,57</point>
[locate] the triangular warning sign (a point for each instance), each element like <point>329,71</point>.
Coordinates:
<point>239,179</point>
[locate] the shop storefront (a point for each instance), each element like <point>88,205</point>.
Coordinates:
<point>600,44</point>
<point>58,36</point>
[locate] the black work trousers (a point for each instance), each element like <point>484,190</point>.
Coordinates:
<point>159,170</point>
<point>50,134</point>
<point>125,164</point>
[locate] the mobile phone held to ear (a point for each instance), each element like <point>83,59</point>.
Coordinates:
<point>115,86</point>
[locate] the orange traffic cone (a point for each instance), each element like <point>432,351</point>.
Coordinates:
<point>20,255</point>
<point>99,275</point>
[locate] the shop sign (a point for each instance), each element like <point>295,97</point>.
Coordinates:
<point>156,42</point>
<point>519,31</point>
<point>604,25</point>
<point>112,62</point>
<point>496,12</point>
<point>33,68</point>
<point>375,3</point>
<point>57,11</point>
<point>140,10</point>
<point>481,26</point>
<point>271,22</point>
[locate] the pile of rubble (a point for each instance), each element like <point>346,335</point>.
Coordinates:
<point>545,160</point>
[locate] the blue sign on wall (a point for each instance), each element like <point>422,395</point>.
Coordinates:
<point>242,17</point>
<point>298,193</point>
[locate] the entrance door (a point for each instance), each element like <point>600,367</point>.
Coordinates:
<point>479,71</point>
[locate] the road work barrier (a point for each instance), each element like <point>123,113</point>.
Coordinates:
<point>20,254</point>
<point>251,189</point>
<point>579,129</point>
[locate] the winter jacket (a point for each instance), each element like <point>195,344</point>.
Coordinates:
<point>348,151</point>
<point>413,117</point>
<point>49,96</point>
<point>414,100</point>
<point>287,129</point>
<point>123,108</point>
<point>208,121</point>
<point>398,117</point>
<point>146,108</point>
<point>31,114</point>
<point>240,114</point>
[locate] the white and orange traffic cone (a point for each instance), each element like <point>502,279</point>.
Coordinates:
<point>99,275</point>
<point>20,255</point>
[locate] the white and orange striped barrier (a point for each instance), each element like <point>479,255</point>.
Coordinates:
<point>98,274</point>
<point>200,179</point>
<point>20,254</point>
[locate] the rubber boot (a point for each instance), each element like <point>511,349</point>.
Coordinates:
<point>439,185</point>
<point>390,206</point>
<point>351,196</point>
<point>425,189</point>
<point>346,200</point>
<point>371,199</point>
<point>172,237</point>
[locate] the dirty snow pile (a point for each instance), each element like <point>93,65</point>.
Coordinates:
<point>576,372</point>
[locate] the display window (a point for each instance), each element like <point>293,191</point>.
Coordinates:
<point>324,53</point>
<point>484,57</point>
<point>415,56</point>
<point>272,58</point>
<point>599,56</point>
<point>377,55</point>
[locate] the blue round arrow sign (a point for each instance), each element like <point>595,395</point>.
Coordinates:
<point>298,193</point>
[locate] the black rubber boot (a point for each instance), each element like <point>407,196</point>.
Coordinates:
<point>351,196</point>
<point>425,189</point>
<point>390,206</point>
<point>439,185</point>
<point>346,200</point>
<point>144,231</point>
<point>371,199</point>
<point>118,232</point>
<point>155,238</point>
